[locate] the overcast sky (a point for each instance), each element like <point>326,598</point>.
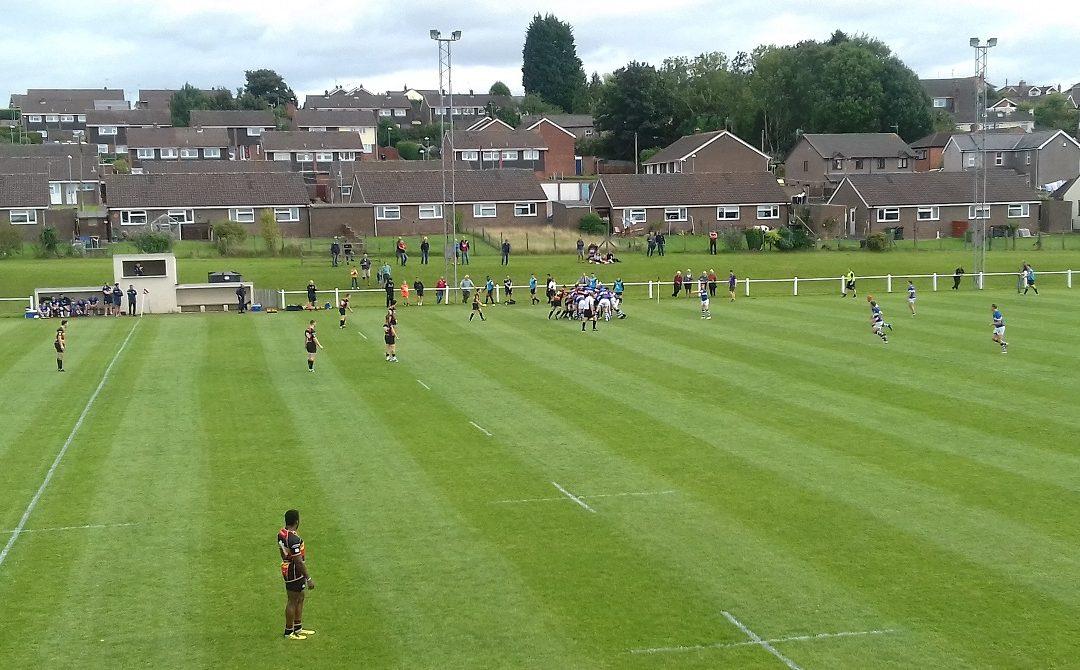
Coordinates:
<point>384,45</point>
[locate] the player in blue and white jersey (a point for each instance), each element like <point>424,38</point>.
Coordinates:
<point>878,323</point>
<point>703,293</point>
<point>999,329</point>
<point>911,297</point>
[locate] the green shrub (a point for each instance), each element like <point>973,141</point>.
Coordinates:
<point>733,239</point>
<point>270,232</point>
<point>877,242</point>
<point>409,150</point>
<point>755,239</point>
<point>593,224</point>
<point>10,242</point>
<point>228,236</point>
<point>792,239</point>
<point>149,242</point>
<point>48,242</point>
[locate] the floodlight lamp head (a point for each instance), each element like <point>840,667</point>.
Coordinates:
<point>456,35</point>
<point>434,34</point>
<point>992,42</point>
<point>974,41</point>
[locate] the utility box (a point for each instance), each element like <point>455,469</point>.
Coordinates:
<point>223,277</point>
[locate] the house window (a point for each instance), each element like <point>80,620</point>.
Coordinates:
<point>491,155</point>
<point>940,103</point>
<point>881,163</point>
<point>982,213</point>
<point>303,156</point>
<point>727,213</point>
<point>286,214</point>
<point>52,118</point>
<point>282,156</point>
<point>920,154</point>
<point>87,186</point>
<point>971,160</point>
<point>858,163</point>
<point>189,153</point>
<point>347,155</point>
<point>107,130</point>
<point>388,212</point>
<point>211,152</point>
<point>33,118</point>
<point>999,158</point>
<point>254,131</point>
<point>806,166</point>
<point>438,111</point>
<point>44,134</point>
<point>430,211</point>
<point>635,216</point>
<point>399,112</point>
<point>168,153</point>
<point>470,155</point>
<point>133,217</point>
<point>484,210</point>
<point>324,156</point>
<point>768,211</point>
<point>55,195</point>
<point>1027,158</point>
<point>902,163</point>
<point>509,155</point>
<point>82,118</point>
<point>103,148</point>
<point>346,191</point>
<point>67,118</point>
<point>242,214</point>
<point>885,214</point>
<point>1019,210</point>
<point>182,215</point>
<point>530,155</point>
<point>588,132</point>
<point>838,164</point>
<point>525,209</point>
<point>144,154</point>
<point>19,217</point>
<point>675,214</point>
<point>316,129</point>
<point>928,214</point>
<point>384,112</point>
<point>456,111</point>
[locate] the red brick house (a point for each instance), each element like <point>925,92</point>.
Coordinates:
<point>561,160</point>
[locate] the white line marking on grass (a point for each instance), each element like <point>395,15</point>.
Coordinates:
<point>757,640</point>
<point>584,497</point>
<point>426,386</point>
<point>63,450</point>
<point>777,640</point>
<point>584,505</point>
<point>529,500</point>
<point>361,334</point>
<point>479,428</point>
<point>87,526</point>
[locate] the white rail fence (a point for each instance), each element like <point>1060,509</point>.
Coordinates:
<point>656,288</point>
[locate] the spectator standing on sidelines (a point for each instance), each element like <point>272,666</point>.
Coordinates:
<point>489,291</point>
<point>133,297</point>
<point>731,282</point>
<point>403,257</point>
<point>508,286</point>
<point>650,245</point>
<point>241,299</point>
<point>106,298</point>
<point>712,283</point>
<point>335,253</point>
<point>464,247</point>
<point>418,287</point>
<point>580,250</point>
<point>117,298</point>
<point>688,280</point>
<point>467,287</point>
<point>349,258</point>
<point>365,269</point>
<point>712,242</point>
<point>440,291</point>
<point>425,249</point>
<point>506,252</point>
<point>405,293</point>
<point>312,294</point>
<point>677,283</point>
<point>661,242</point>
<point>354,275</point>
<point>389,287</point>
<point>958,274</point>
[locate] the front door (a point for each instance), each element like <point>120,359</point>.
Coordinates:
<point>851,221</point>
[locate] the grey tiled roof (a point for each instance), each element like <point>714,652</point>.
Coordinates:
<point>302,140</point>
<point>1004,141</point>
<point>205,190</point>
<point>681,189</point>
<point>83,166</point>
<point>358,100</point>
<point>24,190</point>
<point>859,145</point>
<point>213,166</point>
<point>684,146</point>
<point>333,118</point>
<point>939,188</point>
<point>177,137</point>
<point>939,139</point>
<point>232,118</point>
<point>129,117</point>
<point>393,188</point>
<point>498,139</point>
<point>568,121</point>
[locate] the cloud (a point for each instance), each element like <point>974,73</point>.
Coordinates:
<point>164,43</point>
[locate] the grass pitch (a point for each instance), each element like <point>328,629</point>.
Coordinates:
<point>516,493</point>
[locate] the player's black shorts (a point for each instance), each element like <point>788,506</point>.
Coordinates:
<point>310,346</point>
<point>587,314</point>
<point>341,311</point>
<point>59,349</point>
<point>389,340</point>
<point>296,585</point>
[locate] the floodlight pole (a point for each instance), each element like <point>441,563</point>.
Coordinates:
<point>981,212</point>
<point>446,89</point>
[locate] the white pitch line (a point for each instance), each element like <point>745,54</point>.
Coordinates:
<point>479,428</point>
<point>757,640</point>
<point>87,526</point>
<point>584,497</point>
<point>777,640</point>
<point>584,505</point>
<point>361,334</point>
<point>423,384</point>
<point>63,450</point>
